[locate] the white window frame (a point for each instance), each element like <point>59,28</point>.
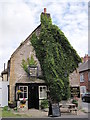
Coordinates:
<point>82,89</point>
<point>82,77</point>
<point>88,75</point>
<point>23,92</point>
<point>44,97</point>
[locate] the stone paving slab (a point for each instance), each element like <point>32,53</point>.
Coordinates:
<point>34,113</point>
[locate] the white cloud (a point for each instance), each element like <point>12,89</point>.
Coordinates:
<point>18,18</point>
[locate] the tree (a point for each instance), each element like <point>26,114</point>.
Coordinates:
<point>57,58</point>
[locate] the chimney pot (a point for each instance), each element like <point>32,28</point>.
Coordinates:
<point>44,10</point>
<point>4,66</point>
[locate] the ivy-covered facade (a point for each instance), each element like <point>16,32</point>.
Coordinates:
<point>41,64</point>
<point>57,58</point>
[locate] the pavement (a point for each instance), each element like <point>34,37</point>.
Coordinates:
<point>85,107</point>
<point>34,113</point>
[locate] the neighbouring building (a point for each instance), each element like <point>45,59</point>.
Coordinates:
<point>85,58</point>
<point>84,71</point>
<point>4,86</point>
<point>75,83</point>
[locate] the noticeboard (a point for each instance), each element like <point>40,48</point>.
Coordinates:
<point>56,110</point>
<point>75,91</point>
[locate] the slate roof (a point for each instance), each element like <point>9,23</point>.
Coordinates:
<point>25,79</point>
<point>84,66</point>
<point>4,72</point>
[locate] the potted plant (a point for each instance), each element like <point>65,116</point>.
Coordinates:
<point>12,104</point>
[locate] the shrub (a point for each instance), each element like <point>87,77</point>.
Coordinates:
<point>44,104</point>
<point>75,102</point>
<point>5,108</point>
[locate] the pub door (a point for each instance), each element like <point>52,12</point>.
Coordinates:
<point>33,97</point>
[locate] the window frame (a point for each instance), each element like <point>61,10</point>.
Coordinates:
<point>81,77</point>
<point>44,97</point>
<point>23,92</point>
<point>88,75</point>
<point>84,88</point>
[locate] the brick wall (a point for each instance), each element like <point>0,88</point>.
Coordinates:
<point>86,82</point>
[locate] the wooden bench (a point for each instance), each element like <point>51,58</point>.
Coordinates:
<point>73,110</point>
<point>70,107</point>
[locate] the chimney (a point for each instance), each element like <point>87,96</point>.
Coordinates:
<point>86,58</point>
<point>4,66</point>
<point>45,10</point>
<point>45,13</point>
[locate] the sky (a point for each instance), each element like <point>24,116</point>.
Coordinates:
<point>18,18</point>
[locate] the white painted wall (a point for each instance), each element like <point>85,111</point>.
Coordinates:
<point>4,93</point>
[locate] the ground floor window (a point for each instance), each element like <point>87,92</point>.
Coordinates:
<point>42,92</point>
<point>83,89</point>
<point>24,93</point>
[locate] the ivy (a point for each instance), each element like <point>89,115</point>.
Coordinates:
<point>57,58</point>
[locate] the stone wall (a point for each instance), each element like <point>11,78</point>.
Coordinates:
<point>74,78</point>
<point>24,51</point>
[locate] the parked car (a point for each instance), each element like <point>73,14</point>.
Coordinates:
<point>86,97</point>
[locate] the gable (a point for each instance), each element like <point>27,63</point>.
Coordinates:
<point>37,31</point>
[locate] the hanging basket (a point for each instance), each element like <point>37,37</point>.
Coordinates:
<point>19,92</point>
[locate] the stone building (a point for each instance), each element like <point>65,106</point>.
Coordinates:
<point>74,79</point>
<point>32,88</point>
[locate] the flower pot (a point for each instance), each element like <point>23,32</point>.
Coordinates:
<point>12,105</point>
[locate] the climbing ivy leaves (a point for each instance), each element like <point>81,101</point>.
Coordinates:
<point>57,58</point>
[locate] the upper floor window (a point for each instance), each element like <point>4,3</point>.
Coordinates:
<point>81,78</point>
<point>89,76</point>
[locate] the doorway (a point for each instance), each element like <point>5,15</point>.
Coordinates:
<point>33,96</point>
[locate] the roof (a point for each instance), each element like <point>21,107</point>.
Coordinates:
<point>25,41</point>
<point>4,72</point>
<point>84,66</point>
<point>25,79</point>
